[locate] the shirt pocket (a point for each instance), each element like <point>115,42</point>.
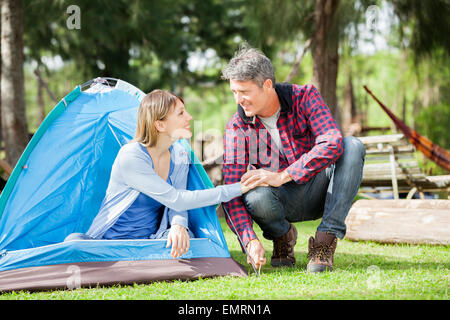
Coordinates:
<point>300,128</point>
<point>300,138</point>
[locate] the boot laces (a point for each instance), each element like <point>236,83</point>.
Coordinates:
<point>285,249</point>
<point>321,251</point>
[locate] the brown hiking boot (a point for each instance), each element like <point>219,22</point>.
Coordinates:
<point>321,252</point>
<point>283,249</point>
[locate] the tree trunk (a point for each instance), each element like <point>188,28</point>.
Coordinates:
<point>40,98</point>
<point>296,65</point>
<point>14,123</point>
<point>1,131</point>
<point>349,114</point>
<point>404,106</point>
<point>325,53</point>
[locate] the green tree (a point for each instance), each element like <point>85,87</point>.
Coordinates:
<point>325,22</point>
<point>423,32</point>
<point>144,42</point>
<point>424,26</point>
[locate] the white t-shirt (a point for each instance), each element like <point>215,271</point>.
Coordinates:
<point>270,123</point>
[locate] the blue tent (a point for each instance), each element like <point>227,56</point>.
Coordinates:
<point>57,188</point>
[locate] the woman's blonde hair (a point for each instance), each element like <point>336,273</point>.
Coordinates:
<point>155,106</point>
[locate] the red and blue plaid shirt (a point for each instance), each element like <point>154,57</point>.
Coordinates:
<point>310,139</point>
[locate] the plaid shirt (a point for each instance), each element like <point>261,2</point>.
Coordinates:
<point>309,135</point>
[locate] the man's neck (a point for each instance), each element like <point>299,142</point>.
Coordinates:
<point>273,105</point>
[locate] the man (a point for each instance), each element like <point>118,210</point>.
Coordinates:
<point>284,136</point>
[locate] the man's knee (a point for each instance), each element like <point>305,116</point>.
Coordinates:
<point>260,202</point>
<point>354,150</point>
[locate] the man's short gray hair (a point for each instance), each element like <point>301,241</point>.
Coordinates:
<point>249,64</point>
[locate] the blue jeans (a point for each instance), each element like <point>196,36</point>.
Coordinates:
<point>328,195</point>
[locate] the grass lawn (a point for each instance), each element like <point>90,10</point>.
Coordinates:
<point>363,270</point>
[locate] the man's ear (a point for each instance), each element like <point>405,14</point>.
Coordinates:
<point>268,84</point>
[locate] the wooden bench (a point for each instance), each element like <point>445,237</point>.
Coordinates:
<point>391,166</point>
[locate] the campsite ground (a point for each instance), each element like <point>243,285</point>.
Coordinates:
<point>363,270</point>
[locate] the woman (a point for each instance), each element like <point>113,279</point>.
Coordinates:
<point>146,195</point>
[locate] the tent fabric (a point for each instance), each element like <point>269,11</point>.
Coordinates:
<point>60,181</point>
<point>90,274</point>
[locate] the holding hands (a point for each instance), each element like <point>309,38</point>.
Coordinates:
<point>262,177</point>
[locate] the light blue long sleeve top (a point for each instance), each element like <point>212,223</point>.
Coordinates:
<point>132,173</point>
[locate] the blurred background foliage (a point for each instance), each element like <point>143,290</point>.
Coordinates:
<point>398,48</point>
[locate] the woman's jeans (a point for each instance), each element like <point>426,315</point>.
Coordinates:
<point>328,195</point>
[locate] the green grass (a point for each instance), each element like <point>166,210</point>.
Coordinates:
<point>363,270</point>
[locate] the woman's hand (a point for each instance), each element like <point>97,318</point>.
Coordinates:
<point>250,181</point>
<point>260,177</point>
<point>245,187</point>
<point>179,240</point>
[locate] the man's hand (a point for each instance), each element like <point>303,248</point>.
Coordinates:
<point>179,239</point>
<point>261,176</point>
<point>256,253</point>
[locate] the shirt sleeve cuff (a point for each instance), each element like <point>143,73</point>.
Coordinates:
<point>248,235</point>
<point>236,190</point>
<point>179,219</point>
<point>293,171</point>
<point>230,191</point>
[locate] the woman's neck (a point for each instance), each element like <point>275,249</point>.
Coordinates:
<point>160,149</point>
<point>160,154</point>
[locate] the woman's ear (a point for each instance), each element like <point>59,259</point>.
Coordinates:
<point>160,125</point>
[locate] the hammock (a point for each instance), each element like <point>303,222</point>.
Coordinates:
<point>432,151</point>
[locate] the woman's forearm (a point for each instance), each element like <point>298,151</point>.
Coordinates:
<point>180,200</point>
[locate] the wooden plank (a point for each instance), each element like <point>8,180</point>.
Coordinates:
<point>424,186</point>
<point>400,221</point>
<point>393,173</point>
<point>373,158</point>
<point>388,138</point>
<point>381,176</point>
<point>376,151</point>
<point>383,166</point>
<point>401,144</point>
<point>382,189</point>
<point>440,181</point>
